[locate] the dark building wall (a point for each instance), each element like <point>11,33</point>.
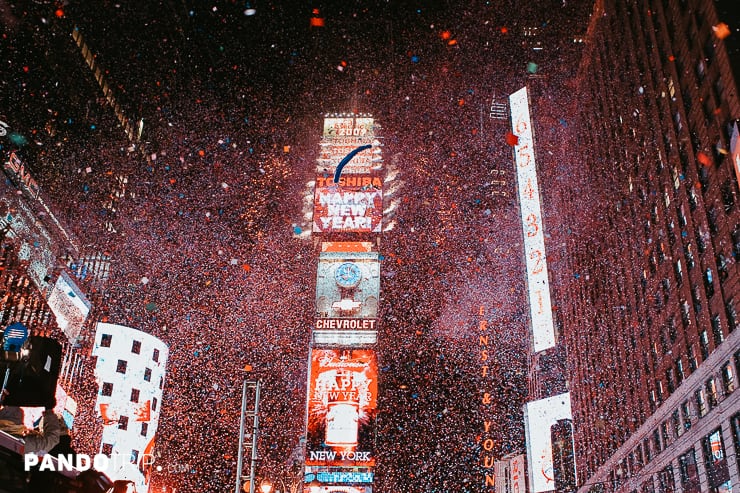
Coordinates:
<point>653,287</point>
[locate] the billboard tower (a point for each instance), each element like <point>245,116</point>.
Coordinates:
<point>343,370</point>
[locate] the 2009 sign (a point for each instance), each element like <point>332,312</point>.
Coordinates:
<point>355,132</point>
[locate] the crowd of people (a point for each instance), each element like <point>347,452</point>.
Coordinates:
<point>202,229</point>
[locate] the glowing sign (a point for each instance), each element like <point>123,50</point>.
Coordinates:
<point>543,332</point>
<point>341,407</point>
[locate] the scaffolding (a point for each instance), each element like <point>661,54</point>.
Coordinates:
<point>250,387</point>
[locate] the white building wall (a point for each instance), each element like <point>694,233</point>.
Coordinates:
<point>130,372</point>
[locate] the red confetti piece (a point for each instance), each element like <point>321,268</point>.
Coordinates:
<point>511,139</point>
<point>703,158</point>
<point>721,30</point>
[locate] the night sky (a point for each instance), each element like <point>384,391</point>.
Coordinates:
<point>209,218</point>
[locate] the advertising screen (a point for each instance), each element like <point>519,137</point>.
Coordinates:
<point>347,286</point>
<point>343,390</point>
<point>355,204</point>
<point>338,489</point>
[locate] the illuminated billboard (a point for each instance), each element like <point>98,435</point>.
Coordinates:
<point>69,306</point>
<point>355,204</point>
<point>342,402</point>
<point>539,418</point>
<point>337,489</point>
<point>347,286</point>
<point>130,371</point>
<point>538,286</point>
<point>342,135</point>
<point>344,127</point>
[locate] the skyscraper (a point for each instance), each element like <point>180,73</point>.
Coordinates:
<point>648,307</point>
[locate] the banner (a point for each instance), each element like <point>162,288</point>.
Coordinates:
<point>538,285</point>
<point>355,204</point>
<point>342,403</point>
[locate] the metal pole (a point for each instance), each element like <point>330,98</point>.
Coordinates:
<point>255,431</point>
<point>240,455</point>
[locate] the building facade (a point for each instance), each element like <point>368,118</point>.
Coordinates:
<point>649,302</point>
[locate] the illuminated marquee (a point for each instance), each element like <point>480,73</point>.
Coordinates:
<point>343,390</point>
<point>538,286</point>
<point>348,127</point>
<point>350,208</point>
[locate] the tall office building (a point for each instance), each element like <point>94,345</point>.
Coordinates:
<point>648,306</point>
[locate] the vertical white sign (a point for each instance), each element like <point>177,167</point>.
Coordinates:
<point>538,286</point>
<point>539,418</point>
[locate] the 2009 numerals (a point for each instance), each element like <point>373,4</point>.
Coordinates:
<point>349,132</point>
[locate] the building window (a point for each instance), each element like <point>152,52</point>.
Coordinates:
<point>107,389</point>
<point>107,449</point>
<point>704,344</point>
<point>121,366</point>
<point>717,330</point>
<point>134,395</point>
<point>670,383</point>
<point>701,70</point>
<point>686,414</point>
<point>134,456</point>
<point>689,254</point>
<point>732,319</point>
<point>144,429</point>
<point>647,450</point>
<point>691,195</point>
<point>718,474</point>
<point>693,365</point>
<point>136,347</point>
<point>155,355</point>
<point>712,394</point>
<point>728,379</point>
<point>700,397</point>
<point>123,423</point>
<point>676,422</point>
<point>696,298</point>
<point>154,403</point>
<point>689,472</point>
<point>735,425</point>
<point>666,481</point>
<point>147,374</point>
<point>685,311</point>
<point>679,272</point>
<point>680,374</point>
<point>722,267</point>
<point>105,340</point>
